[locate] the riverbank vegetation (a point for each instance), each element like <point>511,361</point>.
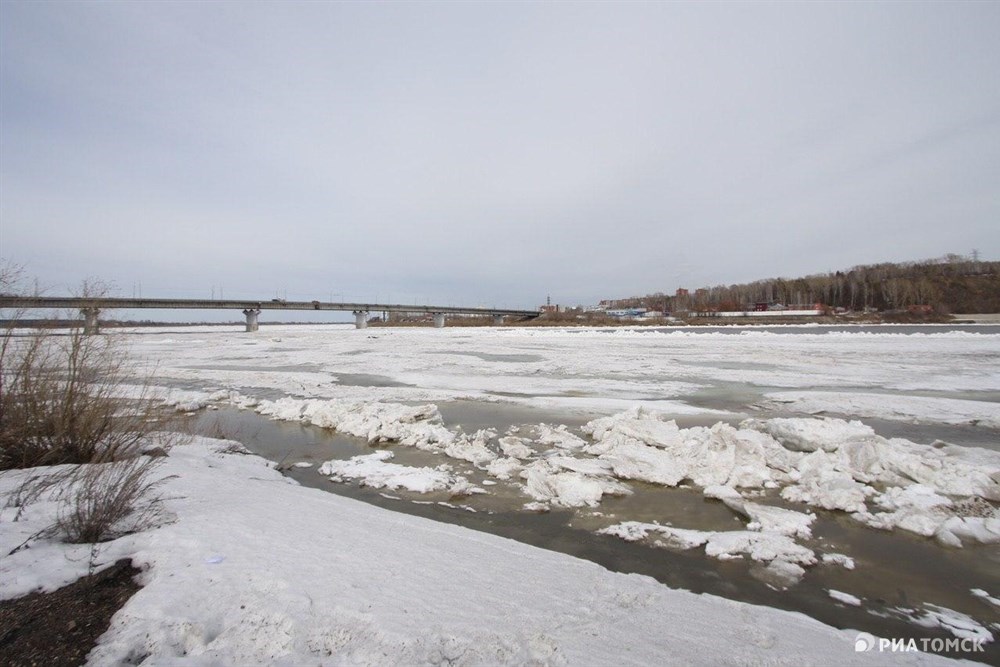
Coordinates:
<point>950,284</point>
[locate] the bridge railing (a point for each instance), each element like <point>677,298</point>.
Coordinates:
<point>90,307</point>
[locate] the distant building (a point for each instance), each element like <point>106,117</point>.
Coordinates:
<point>627,313</point>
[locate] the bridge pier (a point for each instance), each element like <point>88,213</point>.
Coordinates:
<point>251,314</point>
<point>360,319</point>
<point>90,323</point>
<point>438,320</point>
<point>498,320</point>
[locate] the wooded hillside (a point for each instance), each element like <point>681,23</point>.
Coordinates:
<point>951,284</point>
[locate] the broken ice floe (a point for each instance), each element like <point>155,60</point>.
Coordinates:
<point>986,597</point>
<point>827,463</point>
<point>561,482</point>
<point>559,436</point>
<point>374,471</point>
<point>760,547</point>
<point>845,598</point>
<point>958,624</point>
<point>516,448</point>
<point>414,426</point>
<point>839,559</point>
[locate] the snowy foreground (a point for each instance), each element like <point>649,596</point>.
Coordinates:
<point>250,568</point>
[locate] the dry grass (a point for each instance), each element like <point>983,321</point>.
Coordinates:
<point>108,500</point>
<point>61,403</point>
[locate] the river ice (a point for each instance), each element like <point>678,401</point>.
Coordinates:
<point>768,449</point>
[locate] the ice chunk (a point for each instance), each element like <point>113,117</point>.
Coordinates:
<point>958,624</point>
<point>515,447</point>
<point>720,492</point>
<point>672,538</point>
<point>915,496</point>
<point>839,559</point>
<point>769,519</point>
<point>960,530</point>
<point>545,482</point>
<point>779,574</point>
<point>761,547</point>
<point>374,471</point>
<point>916,508</point>
<point>808,435</point>
<point>473,449</point>
<point>983,595</point>
<point>681,538</point>
<point>846,598</point>
<point>635,425</point>
<point>536,507</point>
<point>630,531</point>
<point>503,468</point>
<point>821,485</point>
<point>644,446</point>
<point>593,467</point>
<point>417,426</point>
<point>724,545</point>
<point>560,437</point>
<point>635,460</point>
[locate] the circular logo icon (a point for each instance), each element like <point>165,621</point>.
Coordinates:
<point>864,642</point>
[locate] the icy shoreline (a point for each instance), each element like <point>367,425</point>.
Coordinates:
<point>254,569</point>
<point>941,491</point>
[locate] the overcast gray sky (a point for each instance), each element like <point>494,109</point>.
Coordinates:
<point>491,153</point>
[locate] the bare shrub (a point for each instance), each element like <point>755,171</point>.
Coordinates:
<point>64,400</point>
<point>60,402</point>
<point>107,500</point>
<point>61,395</point>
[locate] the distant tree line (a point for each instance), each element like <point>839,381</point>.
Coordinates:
<point>950,284</point>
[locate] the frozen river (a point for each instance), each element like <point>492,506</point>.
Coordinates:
<point>768,465</point>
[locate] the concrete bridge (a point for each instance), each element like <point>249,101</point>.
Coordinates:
<point>91,307</point>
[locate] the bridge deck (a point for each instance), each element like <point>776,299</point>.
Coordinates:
<point>109,303</point>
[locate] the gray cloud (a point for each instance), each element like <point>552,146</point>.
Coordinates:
<point>491,153</point>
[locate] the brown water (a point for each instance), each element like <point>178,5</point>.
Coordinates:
<point>893,570</point>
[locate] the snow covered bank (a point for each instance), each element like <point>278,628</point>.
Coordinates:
<point>254,569</point>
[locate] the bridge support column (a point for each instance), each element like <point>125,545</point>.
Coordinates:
<point>360,319</point>
<point>439,320</point>
<point>498,320</point>
<point>252,313</point>
<point>90,323</point>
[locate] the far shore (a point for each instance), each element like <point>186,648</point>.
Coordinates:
<point>859,319</point>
